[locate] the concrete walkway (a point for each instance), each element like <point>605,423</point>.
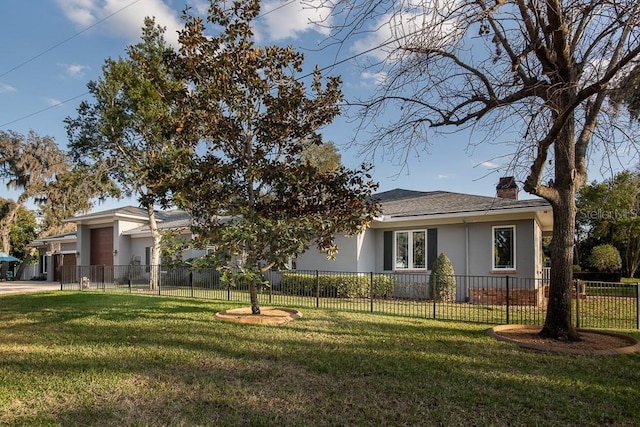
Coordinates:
<point>28,286</point>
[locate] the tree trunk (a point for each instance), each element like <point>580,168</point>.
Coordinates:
<point>558,322</point>
<point>253,292</point>
<point>5,227</point>
<point>23,265</point>
<point>154,271</point>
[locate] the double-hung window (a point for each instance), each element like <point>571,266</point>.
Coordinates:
<point>411,250</point>
<point>504,248</point>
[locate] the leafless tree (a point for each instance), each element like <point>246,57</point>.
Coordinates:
<point>537,74</point>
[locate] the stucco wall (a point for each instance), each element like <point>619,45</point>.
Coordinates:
<point>481,249</point>
<point>366,250</point>
<point>346,259</point>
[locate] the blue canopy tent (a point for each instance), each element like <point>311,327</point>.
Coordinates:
<point>5,257</point>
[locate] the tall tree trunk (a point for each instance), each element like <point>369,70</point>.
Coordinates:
<point>5,226</point>
<point>568,180</point>
<point>558,322</point>
<point>154,271</point>
<point>24,263</point>
<point>253,292</point>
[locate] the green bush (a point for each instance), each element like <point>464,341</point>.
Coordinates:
<point>442,281</point>
<point>605,258</point>
<point>336,286</point>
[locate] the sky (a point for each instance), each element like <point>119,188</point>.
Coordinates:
<point>51,49</point>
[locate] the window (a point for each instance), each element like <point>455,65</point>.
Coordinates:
<point>504,248</point>
<point>410,250</point>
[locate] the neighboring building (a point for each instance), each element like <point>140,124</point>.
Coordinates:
<point>483,236</point>
<point>113,237</point>
<point>53,252</point>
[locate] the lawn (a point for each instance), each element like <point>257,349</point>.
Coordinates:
<point>71,358</point>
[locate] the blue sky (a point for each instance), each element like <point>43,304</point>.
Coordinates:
<point>52,48</point>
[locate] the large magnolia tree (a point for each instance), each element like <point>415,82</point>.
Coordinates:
<point>536,74</point>
<point>250,188</point>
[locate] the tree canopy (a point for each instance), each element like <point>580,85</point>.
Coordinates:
<point>536,74</point>
<point>131,123</point>
<point>608,213</point>
<point>40,172</point>
<point>247,184</point>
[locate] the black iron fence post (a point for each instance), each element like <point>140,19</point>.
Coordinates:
<point>434,292</point>
<point>371,290</point>
<point>191,282</point>
<point>637,305</point>
<point>577,288</point>
<point>317,289</point>
<point>507,297</point>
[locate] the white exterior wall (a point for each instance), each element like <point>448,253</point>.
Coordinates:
<point>137,247</point>
<point>366,251</point>
<point>538,250</point>
<point>122,244</point>
<point>83,244</point>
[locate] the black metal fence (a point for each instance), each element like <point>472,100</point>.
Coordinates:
<point>483,299</point>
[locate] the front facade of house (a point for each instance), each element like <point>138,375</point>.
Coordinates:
<point>483,236</point>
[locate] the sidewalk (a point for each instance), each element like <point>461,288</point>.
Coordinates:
<point>28,286</point>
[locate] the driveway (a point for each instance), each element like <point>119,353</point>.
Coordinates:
<point>28,286</point>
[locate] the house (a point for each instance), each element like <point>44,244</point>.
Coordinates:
<point>114,237</point>
<point>483,236</point>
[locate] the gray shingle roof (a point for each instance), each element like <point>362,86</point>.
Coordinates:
<point>405,203</point>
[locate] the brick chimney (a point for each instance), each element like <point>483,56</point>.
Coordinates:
<point>507,188</point>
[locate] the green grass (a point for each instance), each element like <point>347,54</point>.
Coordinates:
<point>72,358</point>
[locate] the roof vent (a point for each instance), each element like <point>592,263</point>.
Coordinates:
<point>507,188</point>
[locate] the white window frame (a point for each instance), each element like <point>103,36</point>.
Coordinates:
<point>513,248</point>
<point>44,262</point>
<point>410,250</point>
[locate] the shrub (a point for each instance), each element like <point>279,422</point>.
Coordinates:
<point>336,285</point>
<point>442,281</point>
<point>605,258</point>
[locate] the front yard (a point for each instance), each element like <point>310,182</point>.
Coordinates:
<point>72,358</point>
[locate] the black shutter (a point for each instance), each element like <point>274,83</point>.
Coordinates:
<point>388,251</point>
<point>432,247</point>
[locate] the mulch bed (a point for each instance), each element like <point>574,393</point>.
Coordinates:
<point>592,342</point>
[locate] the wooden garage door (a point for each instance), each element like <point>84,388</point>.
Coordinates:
<point>101,246</point>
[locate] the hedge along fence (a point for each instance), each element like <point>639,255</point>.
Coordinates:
<point>336,285</point>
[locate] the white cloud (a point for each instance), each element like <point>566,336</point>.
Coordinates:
<point>281,19</point>
<point>4,88</point>
<point>122,17</point>
<point>442,176</point>
<point>74,70</point>
<point>489,165</point>
<point>415,23</point>
<point>52,101</point>
<point>377,78</point>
